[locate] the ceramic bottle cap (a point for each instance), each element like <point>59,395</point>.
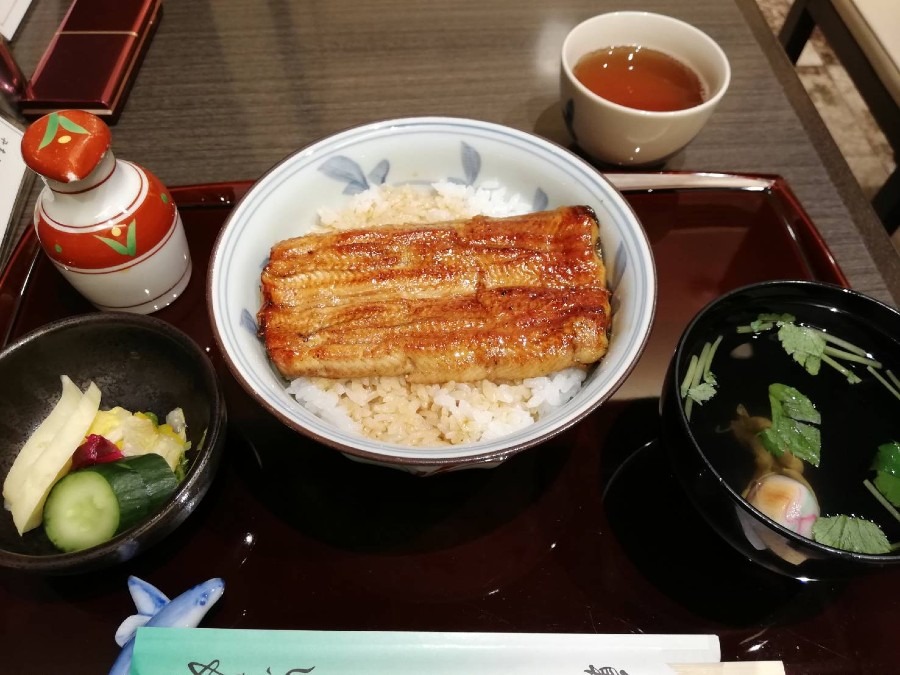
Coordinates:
<point>65,146</point>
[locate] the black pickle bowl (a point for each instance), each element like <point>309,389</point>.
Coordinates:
<point>139,363</point>
<point>696,454</point>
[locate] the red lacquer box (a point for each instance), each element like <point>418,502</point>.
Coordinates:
<point>92,60</point>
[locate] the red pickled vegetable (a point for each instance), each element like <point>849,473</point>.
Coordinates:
<point>95,449</point>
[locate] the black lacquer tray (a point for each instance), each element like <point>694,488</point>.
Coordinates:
<point>586,533</point>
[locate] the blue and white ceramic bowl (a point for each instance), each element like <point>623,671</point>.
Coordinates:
<point>284,203</point>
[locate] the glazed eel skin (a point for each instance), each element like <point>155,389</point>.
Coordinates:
<point>483,298</point>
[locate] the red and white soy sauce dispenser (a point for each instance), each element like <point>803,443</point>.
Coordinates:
<point>108,225</point>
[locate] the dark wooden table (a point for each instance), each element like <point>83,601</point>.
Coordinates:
<point>228,88</point>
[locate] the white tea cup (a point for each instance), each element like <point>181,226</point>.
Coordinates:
<point>618,134</point>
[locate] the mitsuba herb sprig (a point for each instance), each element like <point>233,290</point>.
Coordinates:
<point>811,347</point>
<point>794,425</point>
<point>850,533</point>
<point>886,485</point>
<point>794,429</point>
<point>699,383</point>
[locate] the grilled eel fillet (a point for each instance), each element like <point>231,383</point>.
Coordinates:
<point>485,298</point>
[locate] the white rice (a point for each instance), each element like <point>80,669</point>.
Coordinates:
<point>390,409</point>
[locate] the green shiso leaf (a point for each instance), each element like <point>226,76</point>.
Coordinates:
<point>793,415</point>
<point>850,534</point>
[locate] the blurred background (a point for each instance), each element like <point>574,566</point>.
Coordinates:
<point>845,114</point>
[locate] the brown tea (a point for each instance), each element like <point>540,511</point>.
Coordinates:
<point>642,78</point>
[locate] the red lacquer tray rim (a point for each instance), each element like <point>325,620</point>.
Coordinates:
<point>810,242</point>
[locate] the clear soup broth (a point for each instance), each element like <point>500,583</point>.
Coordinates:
<point>855,418</point>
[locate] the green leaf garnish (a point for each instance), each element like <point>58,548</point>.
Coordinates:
<point>811,347</point>
<point>889,486</point>
<point>850,534</point>
<point>887,459</point>
<point>887,385</point>
<point>893,378</point>
<point>703,391</point>
<point>765,322</point>
<point>793,415</point>
<point>699,383</point>
<point>769,321</point>
<point>805,345</point>
<point>777,318</point>
<point>887,471</point>
<point>881,499</point>
<point>794,404</point>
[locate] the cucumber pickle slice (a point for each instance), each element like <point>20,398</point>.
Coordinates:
<point>91,505</point>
